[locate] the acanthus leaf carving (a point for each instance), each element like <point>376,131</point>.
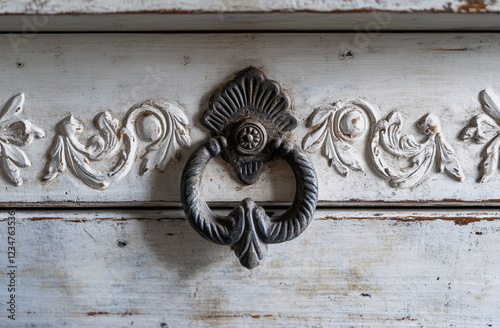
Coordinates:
<point>331,131</point>
<point>171,133</point>
<point>485,129</point>
<point>16,133</point>
<point>158,122</point>
<point>420,154</point>
<point>446,159</point>
<point>334,128</point>
<point>490,103</point>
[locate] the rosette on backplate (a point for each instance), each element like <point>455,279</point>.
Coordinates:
<point>254,111</point>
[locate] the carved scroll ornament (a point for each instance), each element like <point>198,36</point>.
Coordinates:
<point>485,129</point>
<point>333,129</point>
<point>14,134</point>
<point>161,124</point>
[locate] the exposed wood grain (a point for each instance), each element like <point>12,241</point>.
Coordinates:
<point>349,269</point>
<point>367,21</point>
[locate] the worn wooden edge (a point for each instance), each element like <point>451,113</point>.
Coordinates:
<point>184,21</point>
<point>458,216</point>
<point>353,203</point>
<point>210,6</point>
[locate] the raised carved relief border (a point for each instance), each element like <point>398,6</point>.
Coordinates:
<point>485,129</point>
<point>16,133</point>
<point>333,128</point>
<point>160,123</point>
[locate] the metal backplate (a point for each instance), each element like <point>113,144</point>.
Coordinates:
<point>250,111</point>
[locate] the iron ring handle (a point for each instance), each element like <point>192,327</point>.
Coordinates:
<point>248,229</point>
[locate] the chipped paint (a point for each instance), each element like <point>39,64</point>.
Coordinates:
<point>461,221</point>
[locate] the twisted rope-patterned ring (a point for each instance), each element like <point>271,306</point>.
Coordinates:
<point>248,228</point>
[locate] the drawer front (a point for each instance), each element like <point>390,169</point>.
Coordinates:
<point>351,268</point>
<point>414,124</point>
<point>109,121</point>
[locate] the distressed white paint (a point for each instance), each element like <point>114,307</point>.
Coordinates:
<point>351,268</point>
<point>57,7</point>
<point>359,268</point>
<point>33,16</point>
<point>335,127</point>
<point>415,74</point>
<point>160,124</point>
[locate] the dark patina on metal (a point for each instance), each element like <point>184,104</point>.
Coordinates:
<point>249,111</point>
<point>248,119</point>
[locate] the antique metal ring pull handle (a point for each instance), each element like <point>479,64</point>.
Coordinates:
<point>249,118</point>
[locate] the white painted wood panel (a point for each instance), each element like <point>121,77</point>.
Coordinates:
<point>415,74</point>
<point>351,268</point>
<point>55,7</point>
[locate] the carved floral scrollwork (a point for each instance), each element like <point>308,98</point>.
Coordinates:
<point>485,129</point>
<point>162,124</point>
<point>333,130</point>
<point>421,155</point>
<point>14,134</point>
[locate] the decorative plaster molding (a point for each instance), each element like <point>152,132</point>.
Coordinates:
<point>162,124</point>
<point>334,129</point>
<point>16,133</point>
<point>485,129</point>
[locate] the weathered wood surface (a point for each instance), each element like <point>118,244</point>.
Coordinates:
<point>32,16</point>
<point>55,7</point>
<point>26,25</point>
<point>359,268</point>
<point>415,74</point>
